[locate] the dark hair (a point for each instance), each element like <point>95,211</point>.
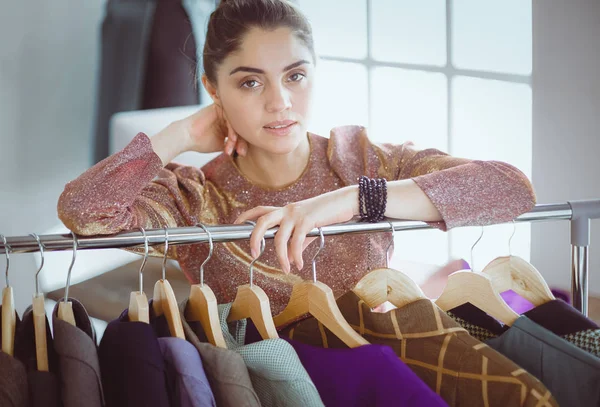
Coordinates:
<point>232,19</point>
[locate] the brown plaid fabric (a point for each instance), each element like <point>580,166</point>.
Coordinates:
<point>464,371</point>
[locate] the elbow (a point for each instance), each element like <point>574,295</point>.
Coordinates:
<point>519,191</point>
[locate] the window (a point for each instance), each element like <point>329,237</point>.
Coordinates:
<point>453,75</point>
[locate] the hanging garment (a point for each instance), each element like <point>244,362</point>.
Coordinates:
<point>79,369</point>
<point>44,387</point>
<point>370,375</point>
<point>571,374</point>
<point>148,59</point>
<point>225,369</point>
<point>132,189</point>
<point>277,374</point>
<point>13,377</point>
<point>186,379</point>
<point>132,366</point>
<point>557,316</point>
<point>464,371</point>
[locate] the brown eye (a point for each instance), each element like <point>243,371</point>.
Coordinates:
<point>251,84</point>
<point>296,77</point>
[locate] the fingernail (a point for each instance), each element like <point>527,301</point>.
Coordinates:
<point>253,251</point>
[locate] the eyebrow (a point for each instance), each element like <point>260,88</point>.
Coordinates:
<point>256,70</point>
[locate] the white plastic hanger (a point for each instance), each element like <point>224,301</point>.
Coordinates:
<point>9,314</point>
<point>514,273</point>
<point>386,284</point>
<point>202,304</point>
<point>138,302</point>
<point>468,286</point>
<point>39,318</point>
<point>252,302</point>
<point>65,307</point>
<point>164,301</point>
<point>316,298</point>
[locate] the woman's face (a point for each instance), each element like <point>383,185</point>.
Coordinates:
<point>265,89</point>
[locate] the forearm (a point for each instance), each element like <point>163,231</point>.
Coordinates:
<point>405,200</point>
<point>170,142</point>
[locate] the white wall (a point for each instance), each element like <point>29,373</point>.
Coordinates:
<point>566,126</point>
<point>48,70</point>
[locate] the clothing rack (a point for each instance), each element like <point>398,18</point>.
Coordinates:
<point>579,213</point>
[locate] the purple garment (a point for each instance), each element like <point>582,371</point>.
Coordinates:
<point>520,305</point>
<point>370,375</point>
<point>186,379</point>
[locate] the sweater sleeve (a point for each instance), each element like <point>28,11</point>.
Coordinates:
<point>131,189</point>
<point>465,192</point>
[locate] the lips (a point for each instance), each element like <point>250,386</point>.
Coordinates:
<point>280,124</point>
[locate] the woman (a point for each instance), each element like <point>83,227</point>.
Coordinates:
<point>259,65</point>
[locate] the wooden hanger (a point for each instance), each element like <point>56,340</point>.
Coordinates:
<point>164,301</point>
<point>467,286</point>
<point>138,310</point>
<point>202,304</point>
<point>9,314</point>
<point>316,298</point>
<point>252,302</point>
<point>385,284</point>
<point>65,307</point>
<point>514,273</point>
<point>39,318</point>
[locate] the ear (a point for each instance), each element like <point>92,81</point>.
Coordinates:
<point>211,89</point>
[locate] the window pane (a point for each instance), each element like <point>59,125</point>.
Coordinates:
<point>340,97</point>
<point>409,31</point>
<point>492,36</point>
<point>409,106</point>
<point>338,31</point>
<point>492,121</point>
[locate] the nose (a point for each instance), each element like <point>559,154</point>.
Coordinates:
<point>278,99</point>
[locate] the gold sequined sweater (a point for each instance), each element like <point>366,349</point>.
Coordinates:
<point>132,189</point>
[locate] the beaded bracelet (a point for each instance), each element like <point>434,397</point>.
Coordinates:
<point>372,198</point>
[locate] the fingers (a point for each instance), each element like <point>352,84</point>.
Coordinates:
<point>281,244</point>
<point>297,244</point>
<point>254,213</point>
<point>262,225</point>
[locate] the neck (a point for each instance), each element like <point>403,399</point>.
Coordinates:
<point>274,170</point>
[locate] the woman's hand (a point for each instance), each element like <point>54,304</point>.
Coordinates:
<point>209,131</point>
<point>295,220</point>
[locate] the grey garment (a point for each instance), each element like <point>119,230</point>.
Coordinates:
<point>79,369</point>
<point>571,374</point>
<point>13,382</point>
<point>225,369</point>
<point>275,369</point>
<point>186,380</point>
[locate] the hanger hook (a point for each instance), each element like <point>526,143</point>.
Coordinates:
<point>387,251</point>
<point>145,259</point>
<point>314,259</point>
<point>7,249</point>
<point>71,266</point>
<point>473,247</point>
<point>164,263</point>
<point>210,252</point>
<point>263,243</point>
<point>511,236</point>
<point>37,285</point>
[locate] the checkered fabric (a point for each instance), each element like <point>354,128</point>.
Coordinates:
<point>461,369</point>
<point>276,372</point>
<point>587,340</point>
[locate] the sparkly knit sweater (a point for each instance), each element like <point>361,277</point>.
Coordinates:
<point>132,189</point>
